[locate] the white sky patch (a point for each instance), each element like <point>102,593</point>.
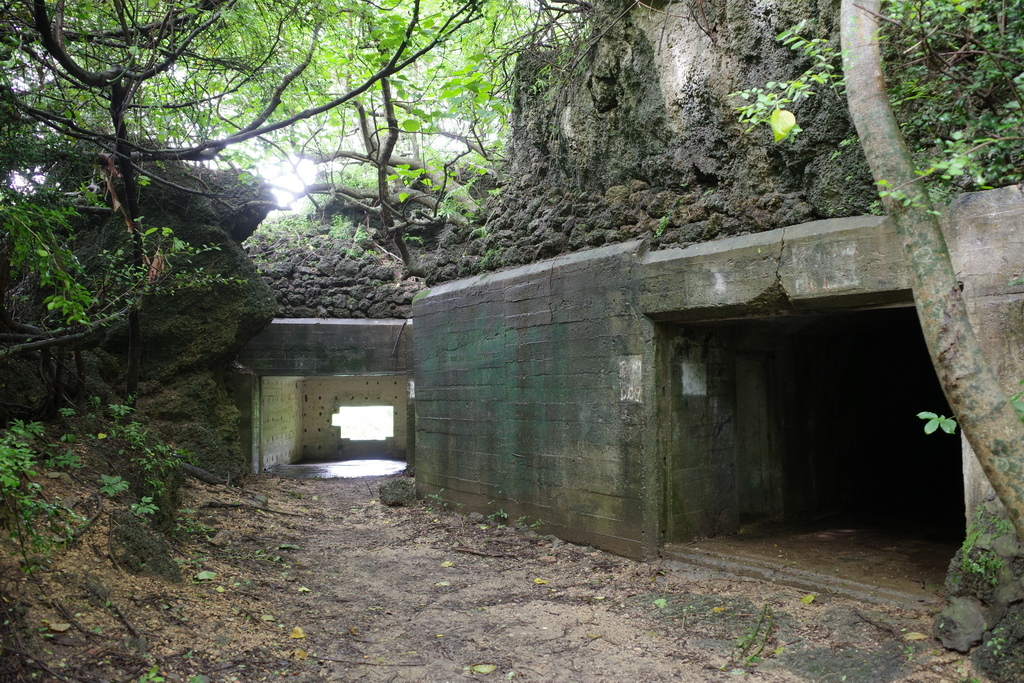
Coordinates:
<point>288,178</point>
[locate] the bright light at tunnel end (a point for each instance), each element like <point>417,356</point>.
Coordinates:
<point>365,423</point>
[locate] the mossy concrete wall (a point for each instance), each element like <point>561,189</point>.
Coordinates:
<point>553,391</point>
<point>530,392</point>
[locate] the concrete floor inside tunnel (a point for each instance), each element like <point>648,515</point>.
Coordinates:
<point>834,478</point>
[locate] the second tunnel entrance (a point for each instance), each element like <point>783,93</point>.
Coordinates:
<point>806,418</point>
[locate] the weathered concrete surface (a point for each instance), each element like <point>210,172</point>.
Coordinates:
<point>318,346</point>
<point>320,398</point>
<point>539,389</point>
<point>531,398</point>
<point>985,232</point>
<point>278,435</point>
<point>836,263</point>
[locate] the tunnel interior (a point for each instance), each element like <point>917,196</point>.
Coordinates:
<point>810,420</point>
<point>335,419</point>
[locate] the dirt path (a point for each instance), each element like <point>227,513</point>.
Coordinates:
<point>326,584</point>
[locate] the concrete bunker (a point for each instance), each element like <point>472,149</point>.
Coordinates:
<point>306,375</point>
<point>807,419</point>
<point>643,401</point>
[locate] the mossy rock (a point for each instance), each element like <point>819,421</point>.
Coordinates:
<point>1001,655</point>
<point>195,412</point>
<point>141,550</point>
<point>985,587</point>
<point>985,565</point>
<point>397,492</point>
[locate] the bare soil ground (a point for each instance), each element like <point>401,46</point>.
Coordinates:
<point>318,581</point>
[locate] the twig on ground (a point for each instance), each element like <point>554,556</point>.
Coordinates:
<point>110,547</point>
<point>203,475</point>
<point>92,520</point>
<point>66,613</point>
<point>881,627</point>
<point>112,606</point>
<point>366,663</point>
<point>258,620</point>
<point>332,616</point>
<point>246,506</point>
<point>42,665</point>
<point>471,551</point>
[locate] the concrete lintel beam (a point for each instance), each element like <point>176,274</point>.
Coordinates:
<point>844,263</point>
<point>836,263</point>
<point>719,279</point>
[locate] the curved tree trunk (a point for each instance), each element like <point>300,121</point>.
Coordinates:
<point>983,410</point>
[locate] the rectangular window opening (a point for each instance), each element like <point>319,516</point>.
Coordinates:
<point>365,423</point>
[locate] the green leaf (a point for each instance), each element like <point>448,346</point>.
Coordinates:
<point>206,576</point>
<point>483,668</point>
<point>661,603</point>
<point>411,125</point>
<point>782,123</point>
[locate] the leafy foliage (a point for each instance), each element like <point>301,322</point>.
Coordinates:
<point>139,83</point>
<point>148,465</point>
<point>955,81</point>
<point>935,422</point>
<point>31,520</point>
<point>769,105</point>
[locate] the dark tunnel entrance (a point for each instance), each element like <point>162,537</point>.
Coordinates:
<point>801,424</point>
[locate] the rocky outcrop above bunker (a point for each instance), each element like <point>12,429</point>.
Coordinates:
<point>633,133</point>
<point>316,275</point>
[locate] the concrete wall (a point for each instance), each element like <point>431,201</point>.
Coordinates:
<point>280,421</point>
<point>600,391</point>
<point>321,398</point>
<point>985,231</point>
<point>305,347</point>
<point>530,392</point>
